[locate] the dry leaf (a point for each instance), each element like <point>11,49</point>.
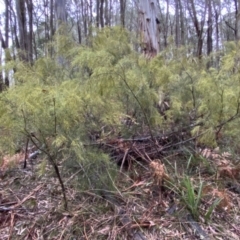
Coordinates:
<point>158,172</point>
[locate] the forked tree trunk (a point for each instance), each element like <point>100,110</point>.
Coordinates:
<point>198,24</point>
<point>149,22</point>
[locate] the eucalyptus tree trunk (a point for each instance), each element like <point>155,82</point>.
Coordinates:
<point>51,24</point>
<point>5,44</point>
<point>106,13</point>
<point>97,13</point>
<point>148,17</point>
<point>198,24</point>
<point>61,18</point>
<point>177,24</point>
<point>122,12</point>
<point>164,22</point>
<point>78,20</point>
<point>1,76</point>
<point>101,13</point>
<point>22,28</point>
<point>60,11</point>
<point>238,20</point>
<point>217,12</point>
<point>182,23</point>
<point>209,28</point>
<point>30,27</point>
<point>84,19</point>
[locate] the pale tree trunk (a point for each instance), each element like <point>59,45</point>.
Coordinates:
<point>60,11</point>
<point>148,18</point>
<point>61,18</point>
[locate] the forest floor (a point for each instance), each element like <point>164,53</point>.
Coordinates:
<point>191,196</point>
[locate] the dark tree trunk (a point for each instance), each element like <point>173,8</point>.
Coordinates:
<point>182,19</point>
<point>22,27</point>
<point>97,13</point>
<point>199,25</point>
<point>209,29</point>
<point>177,24</point>
<point>5,46</point>
<point>122,12</point>
<point>30,35</point>
<point>237,20</point>
<point>101,13</point>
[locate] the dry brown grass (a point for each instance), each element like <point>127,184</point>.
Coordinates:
<point>31,207</point>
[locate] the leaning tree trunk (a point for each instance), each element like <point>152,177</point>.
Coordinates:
<point>149,22</point>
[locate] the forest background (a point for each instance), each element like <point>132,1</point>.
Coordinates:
<point>102,88</point>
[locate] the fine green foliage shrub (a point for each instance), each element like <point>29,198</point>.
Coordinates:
<point>61,102</point>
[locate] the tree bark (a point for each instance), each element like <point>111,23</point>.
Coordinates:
<point>101,13</point>
<point>22,27</point>
<point>177,24</point>
<point>238,20</point>
<point>148,18</point>
<point>182,23</point>
<point>199,25</point>
<point>60,11</point>
<point>209,29</point>
<point>6,44</point>
<point>30,34</point>
<point>122,12</point>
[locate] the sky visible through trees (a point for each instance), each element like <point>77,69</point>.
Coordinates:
<point>28,26</point>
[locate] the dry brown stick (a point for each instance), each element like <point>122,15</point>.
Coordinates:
<point>124,159</point>
<point>12,225</point>
<point>28,196</point>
